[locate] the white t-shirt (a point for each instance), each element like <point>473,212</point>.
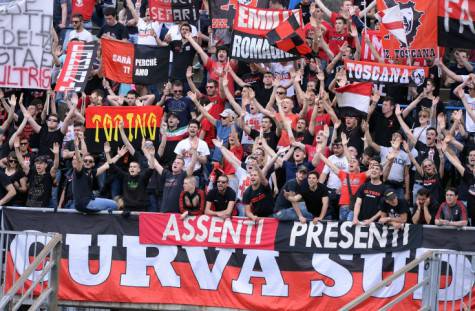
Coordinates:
<point>84,35</point>
<point>283,72</point>
<point>254,122</point>
<point>145,33</point>
<point>333,179</point>
<point>183,148</point>
<point>469,123</point>
<point>244,181</point>
<point>400,162</point>
<point>174,32</point>
<point>420,134</point>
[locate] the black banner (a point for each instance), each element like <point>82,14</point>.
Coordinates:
<point>76,68</point>
<point>455,23</point>
<point>346,238</point>
<point>151,64</point>
<point>250,48</point>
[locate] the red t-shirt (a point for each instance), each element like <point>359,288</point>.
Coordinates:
<point>284,137</point>
<point>356,180</point>
<point>310,150</point>
<point>217,107</point>
<point>228,168</point>
<point>215,68</point>
<point>83,7</point>
<point>335,40</point>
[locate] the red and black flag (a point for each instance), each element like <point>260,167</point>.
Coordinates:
<point>456,24</point>
<point>289,36</point>
<point>76,68</point>
<point>140,64</point>
<point>166,11</point>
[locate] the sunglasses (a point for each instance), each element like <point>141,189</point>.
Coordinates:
<point>52,120</point>
<point>23,144</point>
<point>280,93</point>
<point>179,91</point>
<point>12,161</point>
<point>88,161</point>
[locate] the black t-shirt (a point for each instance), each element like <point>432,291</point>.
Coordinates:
<point>135,188</point>
<point>434,185</point>
<point>4,183</point>
<point>457,71</point>
<point>172,187</point>
<point>182,107</point>
<point>469,181</point>
<point>290,186</point>
<point>39,189</point>
<point>271,138</point>
<point>47,140</point>
<point>262,94</point>
<point>371,196</point>
<point>260,200</point>
<point>313,199</point>
<point>396,211</point>
<point>426,152</point>
<point>383,128</point>
<point>82,185</point>
<point>183,55</point>
<point>4,150</point>
<point>118,31</point>
<point>219,202</point>
<point>19,198</point>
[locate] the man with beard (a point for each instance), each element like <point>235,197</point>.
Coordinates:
<point>82,183</point>
<point>220,201</point>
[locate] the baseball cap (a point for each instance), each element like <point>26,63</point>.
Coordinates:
<point>390,194</point>
<point>228,113</point>
<point>302,168</point>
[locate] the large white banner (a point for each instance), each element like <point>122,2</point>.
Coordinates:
<point>25,43</point>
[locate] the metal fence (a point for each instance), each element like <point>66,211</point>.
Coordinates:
<point>29,269</point>
<point>448,278</point>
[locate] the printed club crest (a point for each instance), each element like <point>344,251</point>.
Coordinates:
<point>411,18</point>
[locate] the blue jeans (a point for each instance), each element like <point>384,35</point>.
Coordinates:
<point>345,213</point>
<point>289,214</point>
<point>100,204</point>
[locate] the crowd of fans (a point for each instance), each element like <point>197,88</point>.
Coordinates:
<point>247,139</point>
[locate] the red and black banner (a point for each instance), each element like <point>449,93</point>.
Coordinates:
<point>270,234</point>
<point>385,73</point>
<point>420,25</point>
<point>166,11</point>
<point>140,64</point>
<point>251,25</point>
<point>289,36</point>
<point>223,11</point>
<point>104,261</point>
<point>456,24</point>
<point>77,66</point>
<point>102,124</point>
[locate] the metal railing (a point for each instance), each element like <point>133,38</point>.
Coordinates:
<point>32,283</point>
<point>437,268</point>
